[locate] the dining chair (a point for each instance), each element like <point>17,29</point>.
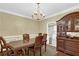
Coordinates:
<point>44,40</point>
<point>26,37</point>
<point>4,47</point>
<point>37,45</point>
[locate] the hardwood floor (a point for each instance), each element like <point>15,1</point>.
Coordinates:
<point>61,54</point>
<point>50,51</point>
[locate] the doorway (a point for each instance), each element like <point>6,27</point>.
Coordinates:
<point>52,31</point>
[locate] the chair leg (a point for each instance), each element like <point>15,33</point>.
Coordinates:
<point>34,52</point>
<point>45,46</point>
<point>40,51</point>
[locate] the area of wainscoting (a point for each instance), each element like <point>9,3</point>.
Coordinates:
<point>17,37</point>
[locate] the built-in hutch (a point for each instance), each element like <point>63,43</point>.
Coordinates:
<point>68,34</point>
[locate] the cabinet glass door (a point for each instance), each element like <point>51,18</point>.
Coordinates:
<point>68,25</point>
<point>76,24</point>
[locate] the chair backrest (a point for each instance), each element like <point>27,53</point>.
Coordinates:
<point>26,37</point>
<point>39,34</point>
<point>38,41</point>
<point>44,37</point>
<point>2,42</point>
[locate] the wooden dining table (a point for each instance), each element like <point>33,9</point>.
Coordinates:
<point>19,44</point>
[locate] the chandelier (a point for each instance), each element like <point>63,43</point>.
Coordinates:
<point>38,14</point>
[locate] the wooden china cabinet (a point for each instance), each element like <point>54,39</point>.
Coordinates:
<point>66,43</point>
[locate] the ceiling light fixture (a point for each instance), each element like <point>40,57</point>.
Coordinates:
<point>38,14</point>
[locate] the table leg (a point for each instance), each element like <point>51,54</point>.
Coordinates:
<point>2,52</point>
<point>24,52</point>
<point>15,52</point>
<point>28,51</point>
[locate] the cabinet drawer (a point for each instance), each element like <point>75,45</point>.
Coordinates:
<point>71,53</point>
<point>72,47</point>
<point>60,43</point>
<point>72,44</point>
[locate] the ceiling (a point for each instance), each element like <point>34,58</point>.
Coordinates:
<point>27,9</point>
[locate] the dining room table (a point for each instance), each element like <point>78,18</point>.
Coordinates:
<point>19,44</point>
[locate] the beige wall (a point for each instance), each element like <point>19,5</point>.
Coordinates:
<point>15,25</point>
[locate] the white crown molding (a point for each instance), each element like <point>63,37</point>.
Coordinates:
<point>17,14</point>
<point>13,13</point>
<point>67,10</point>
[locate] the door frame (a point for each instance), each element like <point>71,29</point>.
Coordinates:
<point>54,23</point>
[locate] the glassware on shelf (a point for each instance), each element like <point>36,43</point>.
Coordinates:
<point>77,24</point>
<point>69,25</point>
<point>76,27</point>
